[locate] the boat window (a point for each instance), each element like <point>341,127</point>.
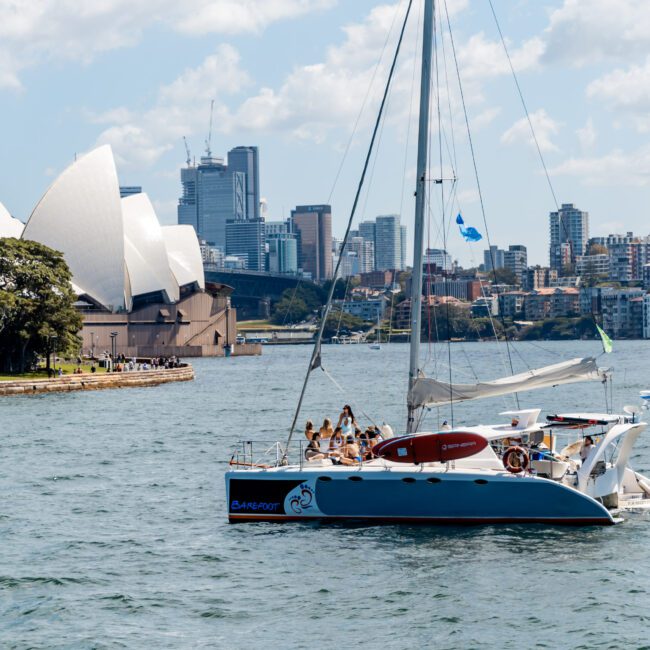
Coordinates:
<point>480,481</point>
<point>408,479</point>
<point>355,478</point>
<point>434,479</point>
<point>324,478</point>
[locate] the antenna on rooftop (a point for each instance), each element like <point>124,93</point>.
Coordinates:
<point>188,160</point>
<point>209,140</point>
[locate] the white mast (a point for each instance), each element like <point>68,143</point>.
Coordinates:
<point>420,204</point>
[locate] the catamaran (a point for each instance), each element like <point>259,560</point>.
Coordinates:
<point>512,471</point>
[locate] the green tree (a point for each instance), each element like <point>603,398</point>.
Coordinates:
<point>503,276</point>
<point>36,304</point>
<point>288,310</point>
<point>297,303</point>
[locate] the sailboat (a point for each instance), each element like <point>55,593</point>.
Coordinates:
<point>507,472</point>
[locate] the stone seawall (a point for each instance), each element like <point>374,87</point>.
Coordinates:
<point>96,381</point>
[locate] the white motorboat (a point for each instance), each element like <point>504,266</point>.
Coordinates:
<point>570,468</point>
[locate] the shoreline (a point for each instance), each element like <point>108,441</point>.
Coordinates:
<point>96,381</point>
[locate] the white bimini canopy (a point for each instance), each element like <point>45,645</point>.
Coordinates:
<point>430,392</point>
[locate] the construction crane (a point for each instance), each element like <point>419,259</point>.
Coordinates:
<point>187,151</point>
<point>209,140</point>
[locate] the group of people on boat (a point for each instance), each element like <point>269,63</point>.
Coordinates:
<point>343,444</point>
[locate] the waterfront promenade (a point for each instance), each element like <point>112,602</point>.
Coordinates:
<point>96,381</point>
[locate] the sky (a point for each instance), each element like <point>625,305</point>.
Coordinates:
<point>302,79</point>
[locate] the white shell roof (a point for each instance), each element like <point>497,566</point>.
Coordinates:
<point>145,253</point>
<point>9,227</point>
<point>81,215</point>
<point>184,254</point>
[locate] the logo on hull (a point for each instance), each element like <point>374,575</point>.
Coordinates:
<point>302,500</point>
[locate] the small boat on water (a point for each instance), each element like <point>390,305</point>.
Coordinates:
<point>568,468</point>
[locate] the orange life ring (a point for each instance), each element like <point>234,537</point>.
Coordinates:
<point>519,465</point>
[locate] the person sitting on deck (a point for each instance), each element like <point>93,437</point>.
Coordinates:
<point>313,452</point>
<point>363,440</point>
<point>327,430</point>
<point>351,453</point>
<point>336,445</point>
<point>309,430</point>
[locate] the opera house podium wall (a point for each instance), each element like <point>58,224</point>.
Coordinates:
<point>200,324</point>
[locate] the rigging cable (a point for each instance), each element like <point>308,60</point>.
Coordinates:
<point>523,103</point>
<point>437,25</point>
<point>476,175</point>
<point>363,105</point>
<point>561,221</point>
<point>314,361</point>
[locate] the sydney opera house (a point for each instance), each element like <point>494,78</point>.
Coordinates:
<point>132,276</point>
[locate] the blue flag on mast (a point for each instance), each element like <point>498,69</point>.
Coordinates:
<point>469,233</point>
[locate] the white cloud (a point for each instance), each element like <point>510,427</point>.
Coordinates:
<point>182,108</point>
<point>587,135</point>
<point>584,31</point>
<point>627,92</point>
<point>32,32</point>
<point>241,16</point>
<point>545,127</point>
<point>614,169</point>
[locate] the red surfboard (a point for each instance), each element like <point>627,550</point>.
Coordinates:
<point>431,447</point>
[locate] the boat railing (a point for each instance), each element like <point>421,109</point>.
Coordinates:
<point>263,454</point>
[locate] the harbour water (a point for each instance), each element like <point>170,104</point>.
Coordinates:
<point>113,525</point>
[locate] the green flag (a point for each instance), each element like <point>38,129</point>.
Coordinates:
<point>607,342</point>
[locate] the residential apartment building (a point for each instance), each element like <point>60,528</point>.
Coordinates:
<point>622,311</point>
<point>515,259</point>
<point>646,316</point>
<point>388,243</point>
<point>431,307</point>
<point>493,258</point>
<point>552,303</point>
<point>538,277</point>
<point>569,233</point>
<point>378,279</point>
<point>368,310</point>
<point>436,260</point>
<point>592,265</point>
<point>511,303</point>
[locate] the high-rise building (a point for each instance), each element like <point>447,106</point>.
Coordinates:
<point>130,190</point>
<point>493,258</point>
<point>277,227</point>
<point>436,257</point>
<point>402,247</point>
<point>388,244</point>
<point>212,196</point>
<point>283,252</point>
<point>569,230</point>
<point>246,161</point>
<point>246,239</point>
<point>358,257</point>
<point>515,259</point>
<point>313,226</point>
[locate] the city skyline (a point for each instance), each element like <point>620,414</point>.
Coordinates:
<point>588,104</point>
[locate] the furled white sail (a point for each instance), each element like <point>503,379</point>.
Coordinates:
<point>430,392</point>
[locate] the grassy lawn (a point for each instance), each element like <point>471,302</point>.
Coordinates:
<point>68,369</point>
<point>259,325</point>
